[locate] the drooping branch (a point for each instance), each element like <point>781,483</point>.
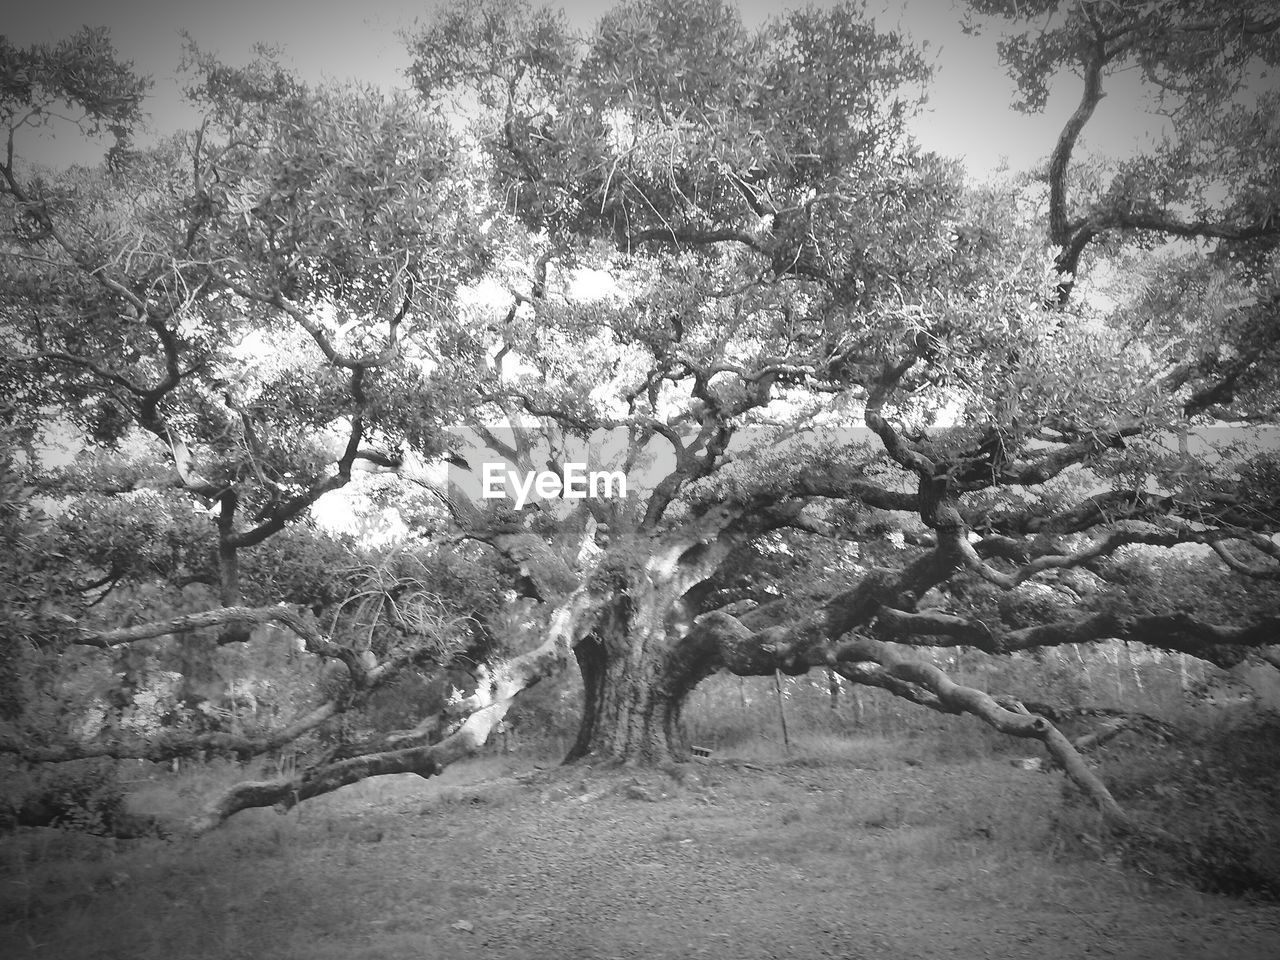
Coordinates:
<point>727,642</point>
<point>1221,548</point>
<point>362,679</point>
<point>106,639</point>
<point>1115,721</point>
<point>479,714</point>
<point>956,698</point>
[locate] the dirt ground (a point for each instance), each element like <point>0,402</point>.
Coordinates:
<point>805,859</point>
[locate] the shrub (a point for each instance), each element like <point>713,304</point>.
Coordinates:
<point>1214,791</point>
<point>84,795</point>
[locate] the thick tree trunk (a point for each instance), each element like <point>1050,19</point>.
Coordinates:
<point>635,685</point>
<point>633,699</point>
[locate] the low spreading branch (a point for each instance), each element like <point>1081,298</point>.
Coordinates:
<point>951,697</point>
<point>315,641</point>
<point>866,660</point>
<point>1104,547</point>
<point>478,717</point>
<point>1227,509</point>
<point>169,745</point>
<point>1223,550</point>
<point>1223,645</point>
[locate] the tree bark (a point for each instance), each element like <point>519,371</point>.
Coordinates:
<point>631,713</point>
<point>635,686</point>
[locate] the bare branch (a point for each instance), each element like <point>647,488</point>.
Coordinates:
<point>1128,219</point>
<point>1090,97</point>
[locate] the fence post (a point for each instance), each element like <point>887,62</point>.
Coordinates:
<point>782,712</point>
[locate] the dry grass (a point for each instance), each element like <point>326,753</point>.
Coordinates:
<point>386,867</point>
<point>261,885</point>
<point>981,828</point>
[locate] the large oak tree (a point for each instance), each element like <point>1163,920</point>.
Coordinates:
<point>866,403</point>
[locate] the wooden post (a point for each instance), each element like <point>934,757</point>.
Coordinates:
<point>782,712</point>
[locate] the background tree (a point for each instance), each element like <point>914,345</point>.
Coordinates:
<point>220,322</point>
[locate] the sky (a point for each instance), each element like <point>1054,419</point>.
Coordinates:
<point>969,114</point>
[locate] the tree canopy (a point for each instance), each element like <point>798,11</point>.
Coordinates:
<point>865,402</point>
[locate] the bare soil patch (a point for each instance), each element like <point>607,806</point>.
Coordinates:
<point>804,858</point>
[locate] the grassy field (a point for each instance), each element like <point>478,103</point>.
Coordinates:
<point>862,846</point>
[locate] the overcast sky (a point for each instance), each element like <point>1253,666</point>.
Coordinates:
<point>969,114</point>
